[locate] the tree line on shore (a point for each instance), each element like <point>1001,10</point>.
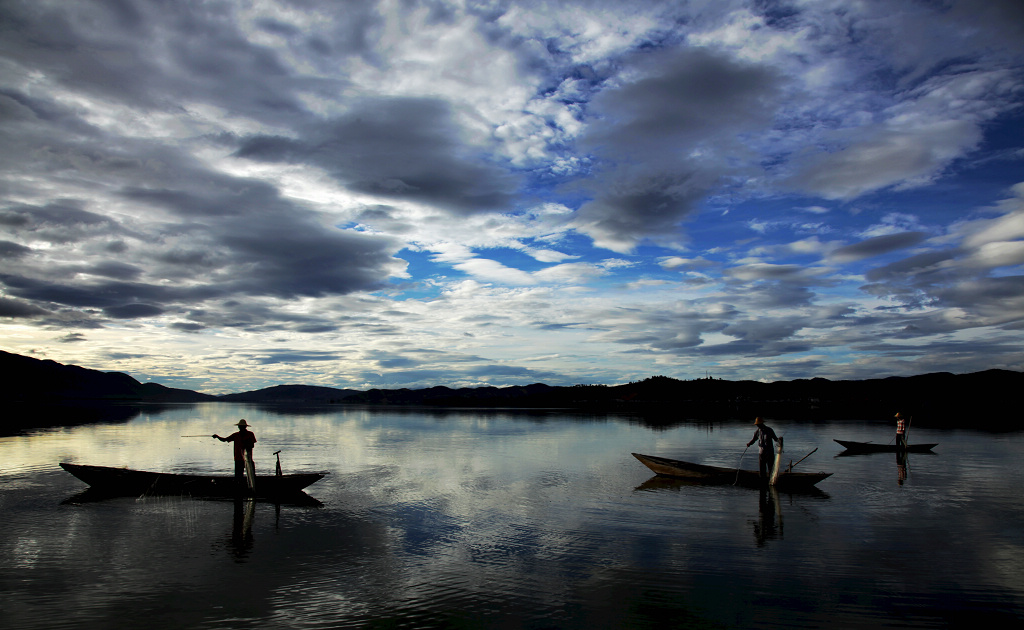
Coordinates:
<point>977,400</point>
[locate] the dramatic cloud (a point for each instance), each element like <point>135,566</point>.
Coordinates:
<point>397,149</point>
<point>679,118</point>
<point>231,195</point>
<point>876,246</point>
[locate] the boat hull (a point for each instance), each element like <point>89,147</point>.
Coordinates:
<point>718,475</point>
<point>869,447</point>
<point>127,482</point>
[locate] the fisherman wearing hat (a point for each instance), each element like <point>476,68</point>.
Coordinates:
<point>764,436</point>
<point>901,432</point>
<point>244,441</point>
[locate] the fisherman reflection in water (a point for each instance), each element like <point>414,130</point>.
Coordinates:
<point>901,466</point>
<point>242,539</point>
<point>769,517</point>
<point>244,442</point>
<point>764,436</point>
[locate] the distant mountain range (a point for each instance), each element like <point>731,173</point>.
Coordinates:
<point>26,379</point>
<point>984,400</point>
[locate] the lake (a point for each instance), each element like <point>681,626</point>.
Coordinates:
<point>495,519</point>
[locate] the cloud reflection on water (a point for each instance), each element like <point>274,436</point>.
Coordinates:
<point>433,518</point>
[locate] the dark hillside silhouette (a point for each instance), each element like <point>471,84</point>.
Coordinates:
<point>26,379</point>
<point>983,400</point>
<point>291,394</point>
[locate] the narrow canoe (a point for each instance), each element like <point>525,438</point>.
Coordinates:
<point>869,447</point>
<point>127,482</point>
<point>719,475</point>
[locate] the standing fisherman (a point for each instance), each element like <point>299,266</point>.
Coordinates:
<point>764,436</point>
<point>244,441</point>
<point>901,432</point>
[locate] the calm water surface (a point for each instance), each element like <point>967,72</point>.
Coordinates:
<point>509,520</point>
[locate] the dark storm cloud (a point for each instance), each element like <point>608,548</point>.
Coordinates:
<point>919,265</point>
<point>296,357</point>
<point>764,329</point>
<point>289,257</point>
<point>11,250</point>
<point>115,270</point>
<point>418,356</point>
<point>150,54</point>
<point>405,378</point>
<point>623,215</point>
<point>18,308</point>
<point>104,295</point>
<point>58,222</point>
<point>674,331</point>
<point>1005,294</point>
<point>211,236</point>
<point>877,246</point>
<point>265,247</point>
<point>18,107</point>
<point>65,318</point>
<point>688,330</point>
<point>761,271</point>
<point>132,311</point>
<point>947,279</point>
<point>504,375</point>
<point>764,286</point>
<point>681,99</point>
<point>400,148</point>
<point>752,348</point>
<point>262,244</point>
<point>221,198</point>
<point>681,102</point>
<point>506,370</point>
<point>778,295</point>
<point>398,362</point>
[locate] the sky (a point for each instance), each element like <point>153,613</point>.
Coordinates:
<point>224,196</point>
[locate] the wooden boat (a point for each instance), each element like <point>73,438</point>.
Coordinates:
<point>870,447</point>
<point>127,482</point>
<point>719,475</point>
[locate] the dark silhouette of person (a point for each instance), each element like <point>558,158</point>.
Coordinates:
<point>244,442</point>
<point>764,436</point>
<point>901,432</point>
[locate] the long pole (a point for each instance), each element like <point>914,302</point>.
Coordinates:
<point>801,459</point>
<point>738,466</point>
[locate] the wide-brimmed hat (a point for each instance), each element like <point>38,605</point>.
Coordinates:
<point>898,415</point>
<point>242,423</point>
<point>758,420</point>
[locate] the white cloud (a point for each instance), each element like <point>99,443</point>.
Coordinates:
<point>570,273</point>
<point>493,271</point>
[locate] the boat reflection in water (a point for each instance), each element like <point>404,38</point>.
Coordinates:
<point>864,448</point>
<point>856,449</point>
<point>769,522</point>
